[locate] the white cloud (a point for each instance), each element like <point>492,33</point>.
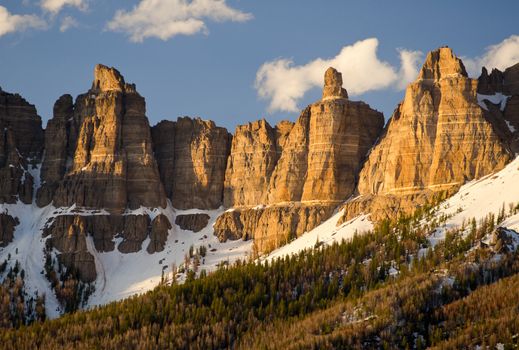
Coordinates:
<point>500,56</point>
<point>10,23</point>
<point>410,64</point>
<point>67,23</point>
<point>164,19</point>
<point>55,6</point>
<point>284,83</point>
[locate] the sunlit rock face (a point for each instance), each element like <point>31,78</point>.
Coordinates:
<point>99,158</point>
<point>438,138</point>
<point>301,171</point>
<point>99,150</point>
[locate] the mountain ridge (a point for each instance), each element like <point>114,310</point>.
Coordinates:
<point>109,186</point>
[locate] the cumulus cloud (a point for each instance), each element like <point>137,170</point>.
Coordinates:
<point>410,64</point>
<point>67,23</point>
<point>10,23</point>
<point>283,83</point>
<point>500,56</point>
<point>165,19</point>
<point>55,6</point>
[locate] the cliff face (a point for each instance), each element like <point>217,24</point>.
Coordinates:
<point>317,161</point>
<point>252,160</point>
<point>499,96</point>
<point>98,156</point>
<point>102,162</point>
<point>192,155</point>
<point>103,155</point>
<point>21,146</point>
<point>438,137</point>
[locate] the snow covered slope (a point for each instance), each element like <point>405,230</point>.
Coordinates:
<point>122,275</point>
<point>326,233</point>
<point>480,197</point>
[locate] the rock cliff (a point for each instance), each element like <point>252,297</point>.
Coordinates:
<point>99,156</point>
<point>192,156</point>
<point>110,161</point>
<point>21,146</point>
<point>438,137</point>
<point>318,161</point>
<point>499,95</point>
<point>101,162</point>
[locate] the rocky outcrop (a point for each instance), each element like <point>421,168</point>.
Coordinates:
<point>333,85</point>
<point>504,110</point>
<point>271,226</point>
<point>192,156</point>
<point>21,146</point>
<point>341,132</point>
<point>252,160</point>
<point>104,157</point>
<point>7,227</point>
<point>318,159</point>
<point>134,230</point>
<point>99,156</point>
<point>160,227</point>
<point>57,149</point>
<point>68,235</point>
<point>192,222</point>
<point>437,139</point>
<point>19,116</point>
<point>301,174</point>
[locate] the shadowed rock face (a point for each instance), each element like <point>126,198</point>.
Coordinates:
<point>506,83</point>
<point>21,146</point>
<point>7,226</point>
<point>192,154</point>
<point>192,222</point>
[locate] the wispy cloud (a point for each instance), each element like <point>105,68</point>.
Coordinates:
<point>500,56</point>
<point>283,83</point>
<point>55,6</point>
<point>67,23</point>
<point>165,19</point>
<point>10,23</point>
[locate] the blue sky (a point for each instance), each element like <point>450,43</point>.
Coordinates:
<point>202,59</point>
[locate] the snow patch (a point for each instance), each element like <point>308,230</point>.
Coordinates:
<point>496,99</point>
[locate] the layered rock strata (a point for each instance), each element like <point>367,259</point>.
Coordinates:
<point>21,146</point>
<point>271,226</point>
<point>192,222</point>
<point>192,156</point>
<point>68,234</point>
<point>316,161</point>
<point>437,139</point>
<point>99,156</point>
<point>103,155</point>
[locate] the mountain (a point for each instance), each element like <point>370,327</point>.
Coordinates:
<point>100,206</point>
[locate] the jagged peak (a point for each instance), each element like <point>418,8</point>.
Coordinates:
<point>333,85</point>
<point>107,79</point>
<point>442,63</point>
